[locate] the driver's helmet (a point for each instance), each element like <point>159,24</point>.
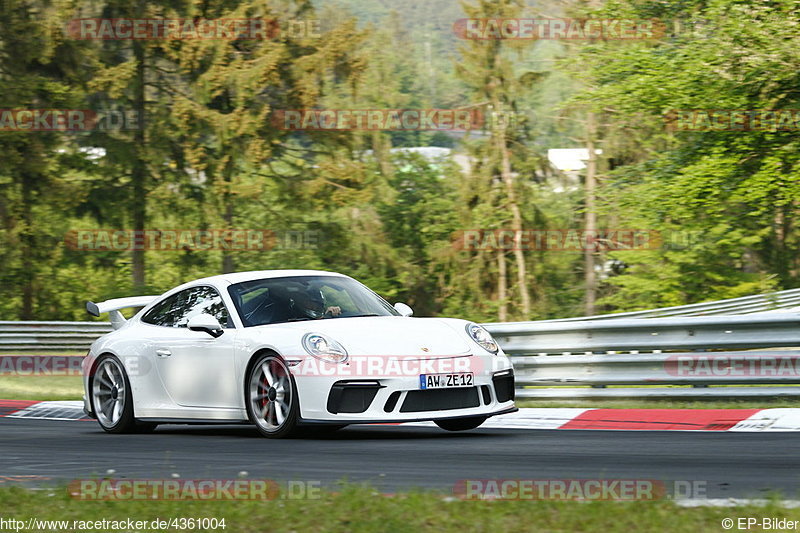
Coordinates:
<point>311,303</point>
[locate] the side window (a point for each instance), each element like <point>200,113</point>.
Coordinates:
<point>176,310</point>
<point>339,298</point>
<point>201,300</point>
<point>166,312</point>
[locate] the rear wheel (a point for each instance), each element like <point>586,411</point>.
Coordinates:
<point>461,424</point>
<point>272,403</point>
<point>112,399</point>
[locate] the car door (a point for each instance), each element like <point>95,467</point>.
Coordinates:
<point>196,369</point>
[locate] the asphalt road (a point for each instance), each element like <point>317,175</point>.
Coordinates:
<point>727,464</point>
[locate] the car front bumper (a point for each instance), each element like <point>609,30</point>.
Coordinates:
<point>338,400</point>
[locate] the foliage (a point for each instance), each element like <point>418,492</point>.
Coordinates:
<point>720,204</point>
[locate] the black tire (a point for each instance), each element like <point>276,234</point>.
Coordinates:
<point>112,398</point>
<point>272,407</point>
<point>461,424</point>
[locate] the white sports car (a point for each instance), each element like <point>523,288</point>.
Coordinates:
<point>288,349</point>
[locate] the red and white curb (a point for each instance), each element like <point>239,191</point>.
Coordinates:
<point>67,410</point>
<point>649,419</point>
<point>532,418</point>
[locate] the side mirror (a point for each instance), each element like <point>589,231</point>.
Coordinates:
<point>403,309</point>
<point>207,323</point>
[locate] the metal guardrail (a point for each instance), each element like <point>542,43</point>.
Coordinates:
<point>78,335</point>
<point>725,368</point>
<point>660,375</point>
<point>649,334</point>
<point>759,303</point>
<point>681,351</point>
<point>50,336</point>
<point>609,357</point>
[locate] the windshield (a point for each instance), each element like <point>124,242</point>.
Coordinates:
<point>291,299</point>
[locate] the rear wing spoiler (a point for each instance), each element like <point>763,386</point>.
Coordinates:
<point>113,306</point>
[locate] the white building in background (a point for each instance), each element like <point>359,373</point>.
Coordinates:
<point>432,153</point>
<point>570,161</point>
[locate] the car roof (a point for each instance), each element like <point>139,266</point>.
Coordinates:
<point>239,277</point>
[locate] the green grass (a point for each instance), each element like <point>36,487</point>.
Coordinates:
<point>360,509</point>
<point>711,403</point>
<point>41,388</point>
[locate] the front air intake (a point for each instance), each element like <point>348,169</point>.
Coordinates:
<point>440,400</point>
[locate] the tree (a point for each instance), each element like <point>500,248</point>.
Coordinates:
<point>489,68</point>
<point>724,202</point>
<point>38,70</point>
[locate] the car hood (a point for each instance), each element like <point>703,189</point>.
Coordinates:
<point>389,335</point>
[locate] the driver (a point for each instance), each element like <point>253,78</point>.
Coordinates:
<point>311,304</point>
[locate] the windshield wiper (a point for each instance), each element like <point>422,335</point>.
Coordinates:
<point>299,319</point>
<point>365,314</point>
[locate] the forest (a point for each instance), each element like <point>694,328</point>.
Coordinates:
<point>405,144</point>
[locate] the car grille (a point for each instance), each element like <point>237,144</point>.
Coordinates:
<point>440,399</point>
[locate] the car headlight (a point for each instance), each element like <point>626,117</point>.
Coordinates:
<point>483,338</point>
<point>325,348</point>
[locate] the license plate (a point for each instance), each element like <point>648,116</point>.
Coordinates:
<point>446,381</point>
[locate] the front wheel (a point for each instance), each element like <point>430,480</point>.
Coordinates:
<point>461,424</point>
<point>272,403</point>
<point>112,399</point>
